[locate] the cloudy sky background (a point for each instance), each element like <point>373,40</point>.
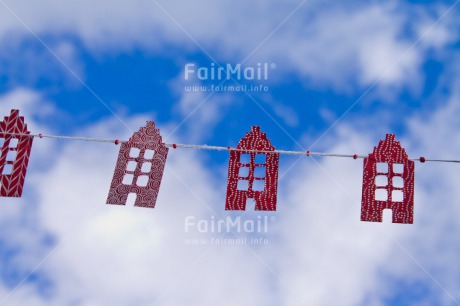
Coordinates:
<point>346,74</point>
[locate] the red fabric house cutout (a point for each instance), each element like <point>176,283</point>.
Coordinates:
<point>15,153</point>
<point>139,168</point>
<point>253,175</point>
<point>388,183</point>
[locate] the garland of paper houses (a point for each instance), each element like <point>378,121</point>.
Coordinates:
<point>388,178</point>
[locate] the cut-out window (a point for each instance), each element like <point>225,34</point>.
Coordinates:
<point>134,152</point>
<point>397,196</point>
<point>2,142</point>
<point>243,172</point>
<point>398,168</point>
<point>142,180</point>
<point>258,185</point>
<point>149,154</point>
<point>245,158</point>
<point>131,200</point>
<point>381,180</point>
<point>382,167</point>
<point>387,215</point>
<point>146,167</point>
<point>128,179</point>
<point>250,204</point>
<point>260,172</point>
<point>381,195</point>
<point>7,169</point>
<point>398,182</point>
<point>11,156</point>
<point>131,166</point>
<point>260,158</point>
<point>13,142</point>
<point>243,185</point>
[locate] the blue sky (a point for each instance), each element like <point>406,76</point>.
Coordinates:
<point>345,74</point>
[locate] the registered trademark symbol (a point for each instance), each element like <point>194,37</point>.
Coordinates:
<point>273,66</point>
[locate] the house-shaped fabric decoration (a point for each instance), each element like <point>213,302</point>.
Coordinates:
<point>15,153</point>
<point>388,183</point>
<point>139,168</point>
<point>253,175</point>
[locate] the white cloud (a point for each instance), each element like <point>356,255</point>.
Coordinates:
<point>326,44</point>
<point>318,248</point>
<point>200,110</point>
<point>122,255</point>
<point>332,255</point>
<point>30,104</point>
<point>436,136</point>
<point>319,251</point>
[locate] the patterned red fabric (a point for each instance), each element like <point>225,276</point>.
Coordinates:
<point>139,168</point>
<point>388,183</point>
<point>15,153</point>
<point>253,175</point>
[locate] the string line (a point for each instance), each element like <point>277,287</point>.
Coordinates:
<point>219,148</point>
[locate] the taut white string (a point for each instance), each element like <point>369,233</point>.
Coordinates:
<point>218,148</point>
